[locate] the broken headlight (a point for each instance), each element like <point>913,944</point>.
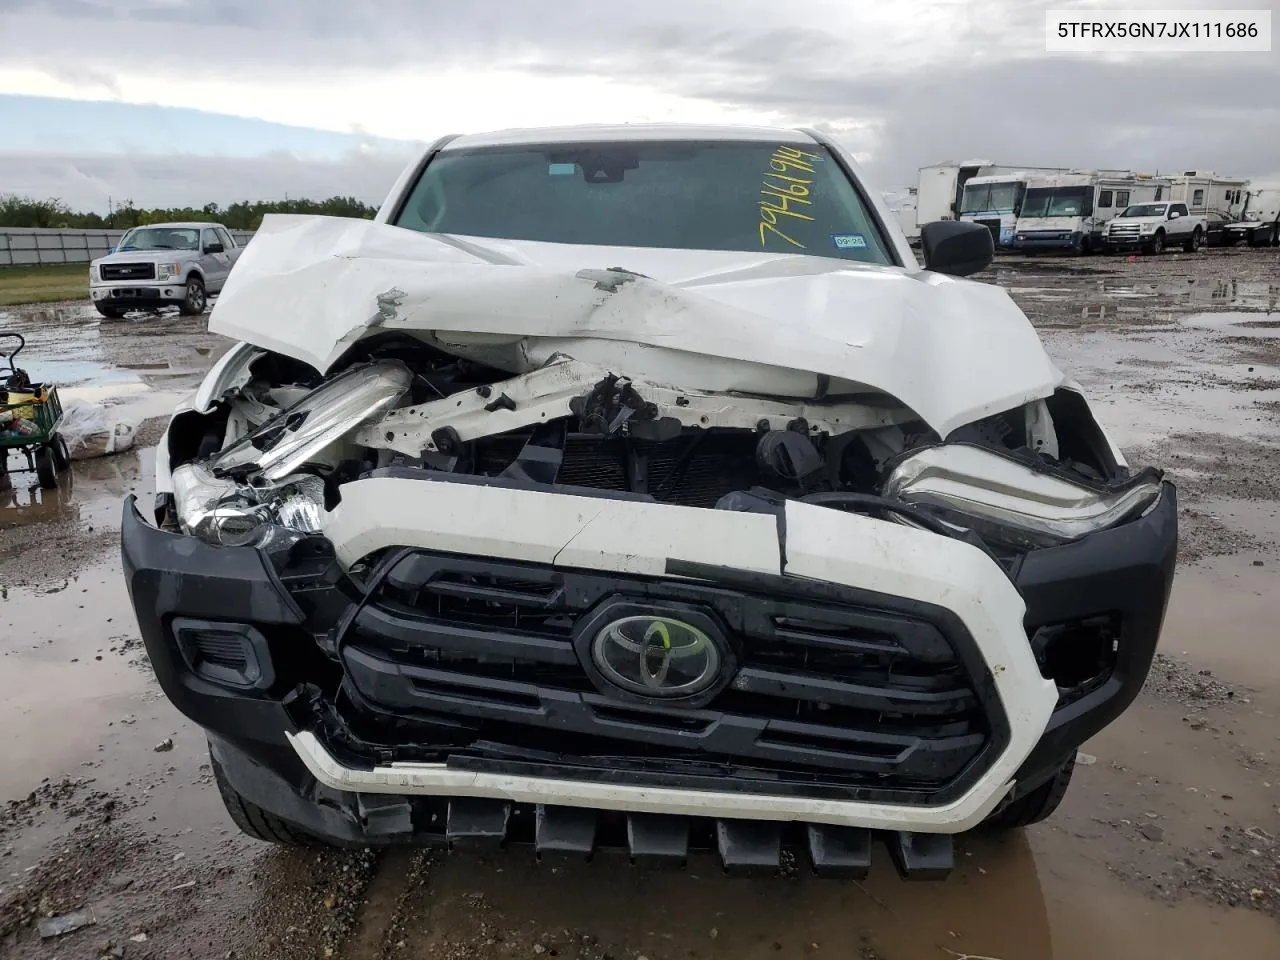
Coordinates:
<point>326,414</point>
<point>230,514</point>
<point>1005,500</point>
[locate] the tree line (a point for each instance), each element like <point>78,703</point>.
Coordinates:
<point>18,211</point>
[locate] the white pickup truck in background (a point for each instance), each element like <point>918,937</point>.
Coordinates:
<point>161,265</point>
<point>1152,227</point>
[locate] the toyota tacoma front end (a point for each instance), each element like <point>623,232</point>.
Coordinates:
<point>474,537</point>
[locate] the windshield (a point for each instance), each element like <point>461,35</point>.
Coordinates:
<point>685,195</point>
<point>1055,201</point>
<point>991,197</point>
<point>1145,210</point>
<point>160,238</point>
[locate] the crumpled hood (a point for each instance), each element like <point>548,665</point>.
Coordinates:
<point>766,324</point>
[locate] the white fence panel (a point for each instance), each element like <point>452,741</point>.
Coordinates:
<point>28,246</point>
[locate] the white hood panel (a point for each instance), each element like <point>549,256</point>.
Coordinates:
<point>790,326</point>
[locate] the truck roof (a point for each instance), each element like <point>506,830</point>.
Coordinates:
<point>626,131</point>
<point>180,225</point>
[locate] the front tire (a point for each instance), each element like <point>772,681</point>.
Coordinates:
<point>256,822</point>
<point>1156,246</point>
<point>1037,805</point>
<point>194,302</point>
<point>1195,243</point>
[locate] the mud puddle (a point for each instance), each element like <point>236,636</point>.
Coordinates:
<point>1001,903</point>
<point>1266,325</point>
<point>73,347</point>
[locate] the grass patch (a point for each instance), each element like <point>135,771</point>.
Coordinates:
<point>49,284</point>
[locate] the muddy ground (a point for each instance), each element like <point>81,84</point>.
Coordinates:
<point>1168,844</point>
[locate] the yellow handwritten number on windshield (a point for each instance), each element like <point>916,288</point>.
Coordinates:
<point>785,193</point>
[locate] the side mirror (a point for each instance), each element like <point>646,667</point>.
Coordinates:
<point>1174,214</point>
<point>214,248</point>
<point>957,248</point>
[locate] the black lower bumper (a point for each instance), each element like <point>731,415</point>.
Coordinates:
<point>1122,576</point>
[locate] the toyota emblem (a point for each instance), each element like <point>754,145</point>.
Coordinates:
<point>656,656</point>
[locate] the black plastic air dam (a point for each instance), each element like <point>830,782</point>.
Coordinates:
<point>559,834</point>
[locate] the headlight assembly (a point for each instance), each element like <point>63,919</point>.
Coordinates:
<point>252,493</point>
<point>1002,499</point>
<point>226,513</point>
<point>326,414</point>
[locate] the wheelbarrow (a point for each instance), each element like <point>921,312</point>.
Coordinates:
<point>30,414</point>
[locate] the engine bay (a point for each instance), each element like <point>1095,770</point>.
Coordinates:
<point>270,454</point>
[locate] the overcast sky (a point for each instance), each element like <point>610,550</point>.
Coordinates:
<point>326,97</point>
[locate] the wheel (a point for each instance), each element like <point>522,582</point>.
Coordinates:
<point>256,822</point>
<point>109,311</point>
<point>1037,805</point>
<point>193,303</point>
<point>61,455</point>
<point>1156,245</point>
<point>46,468</point>
<point>1275,235</point>
<point>1195,243</point>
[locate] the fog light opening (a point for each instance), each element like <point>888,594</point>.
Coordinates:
<point>1077,656</point>
<point>230,654</point>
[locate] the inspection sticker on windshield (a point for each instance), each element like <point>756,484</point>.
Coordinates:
<point>849,241</point>
<point>561,169</point>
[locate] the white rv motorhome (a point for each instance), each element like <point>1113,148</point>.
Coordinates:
<point>1220,200</point>
<point>1068,211</point>
<point>995,201</point>
<point>940,185</point>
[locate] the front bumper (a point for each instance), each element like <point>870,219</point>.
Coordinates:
<point>329,737</point>
<point>1127,242</point>
<point>1253,232</point>
<point>1047,239</point>
<point>139,294</point>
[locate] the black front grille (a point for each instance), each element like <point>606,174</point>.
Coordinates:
<point>993,226</point>
<point>128,271</point>
<point>478,660</point>
<point>692,470</point>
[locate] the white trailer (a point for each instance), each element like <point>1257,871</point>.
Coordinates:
<point>1220,200</point>
<point>1069,211</point>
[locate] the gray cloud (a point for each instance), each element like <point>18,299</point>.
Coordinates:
<point>86,182</point>
<point>989,90</point>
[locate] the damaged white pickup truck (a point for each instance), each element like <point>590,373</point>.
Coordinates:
<point>635,487</point>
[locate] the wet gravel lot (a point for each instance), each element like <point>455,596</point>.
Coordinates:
<point>1168,844</point>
